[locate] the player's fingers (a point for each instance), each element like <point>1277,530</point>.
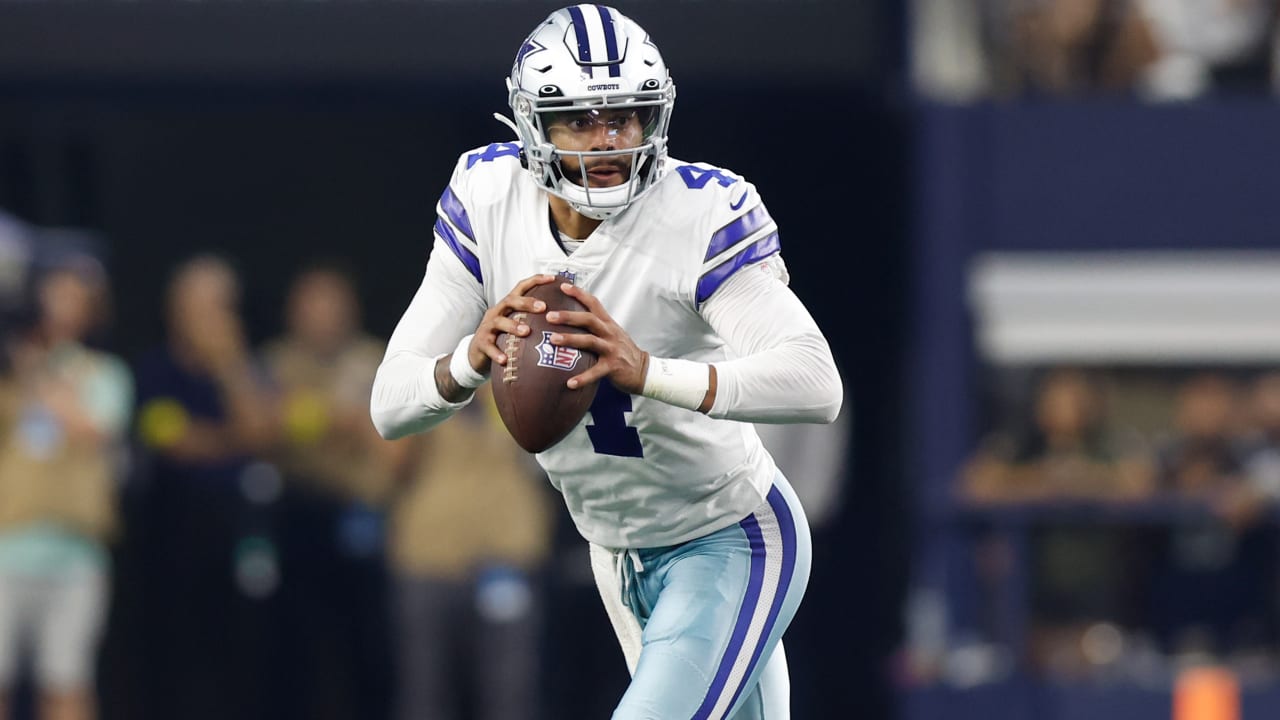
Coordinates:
<point>593,374</point>
<point>518,303</point>
<point>589,301</point>
<point>514,324</point>
<point>522,304</point>
<point>492,352</point>
<point>481,345</point>
<point>585,320</point>
<point>530,283</point>
<point>515,301</point>
<point>582,341</point>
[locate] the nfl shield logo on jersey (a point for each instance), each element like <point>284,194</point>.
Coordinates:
<point>554,356</point>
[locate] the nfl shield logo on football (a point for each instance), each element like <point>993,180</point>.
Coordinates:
<point>554,356</point>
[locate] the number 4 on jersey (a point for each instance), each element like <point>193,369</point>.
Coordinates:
<point>493,152</point>
<point>609,432</point>
<point>697,178</point>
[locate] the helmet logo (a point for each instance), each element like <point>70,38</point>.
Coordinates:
<point>530,47</point>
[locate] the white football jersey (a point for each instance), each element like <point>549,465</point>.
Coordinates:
<point>635,472</point>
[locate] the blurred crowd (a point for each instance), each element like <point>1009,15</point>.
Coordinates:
<point>1174,479</point>
<point>229,514</point>
<point>1157,50</point>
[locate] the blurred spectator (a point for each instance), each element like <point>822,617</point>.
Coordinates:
<point>1156,49</point>
<point>950,50</point>
<point>1080,574</point>
<point>204,414</point>
<point>1261,489</point>
<point>337,473</point>
<point>1207,45</point>
<point>1071,47</point>
<point>470,536</point>
<point>63,410</point>
<point>1214,589</point>
<point>1067,453</point>
<point>1204,456</point>
<point>17,253</point>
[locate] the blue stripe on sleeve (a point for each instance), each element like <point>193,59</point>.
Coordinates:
<point>741,227</point>
<point>456,213</point>
<point>580,29</point>
<point>715,277</point>
<point>467,257</point>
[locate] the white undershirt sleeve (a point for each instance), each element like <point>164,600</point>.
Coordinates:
<point>447,306</point>
<point>784,371</point>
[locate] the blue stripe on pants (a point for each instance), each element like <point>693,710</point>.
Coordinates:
<point>712,611</point>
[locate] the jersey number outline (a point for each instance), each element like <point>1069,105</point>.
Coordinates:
<point>609,432</point>
<point>493,152</point>
<point>697,178</point>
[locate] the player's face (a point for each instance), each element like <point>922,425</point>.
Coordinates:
<point>595,131</point>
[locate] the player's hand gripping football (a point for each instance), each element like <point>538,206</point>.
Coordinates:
<point>618,357</point>
<point>484,348</point>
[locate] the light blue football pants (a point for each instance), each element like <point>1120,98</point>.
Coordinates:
<point>701,623</point>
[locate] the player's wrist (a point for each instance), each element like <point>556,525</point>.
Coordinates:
<point>460,366</point>
<point>683,383</point>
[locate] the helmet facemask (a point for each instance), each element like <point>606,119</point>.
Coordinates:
<point>536,117</point>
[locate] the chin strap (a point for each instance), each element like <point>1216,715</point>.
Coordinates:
<point>508,122</point>
<point>524,160</point>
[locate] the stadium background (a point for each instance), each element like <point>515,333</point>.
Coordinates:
<point>277,132</point>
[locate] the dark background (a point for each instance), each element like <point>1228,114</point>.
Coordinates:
<point>278,132</point>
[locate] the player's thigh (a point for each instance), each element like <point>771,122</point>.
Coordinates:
<point>724,603</point>
<point>69,629</point>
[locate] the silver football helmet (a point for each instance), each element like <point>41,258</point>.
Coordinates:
<point>587,62</point>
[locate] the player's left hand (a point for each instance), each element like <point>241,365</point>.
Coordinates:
<point>617,356</point>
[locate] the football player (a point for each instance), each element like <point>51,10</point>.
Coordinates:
<point>700,549</point>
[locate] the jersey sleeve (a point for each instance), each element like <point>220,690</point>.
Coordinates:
<point>741,233</point>
<point>782,370</point>
<point>447,306</point>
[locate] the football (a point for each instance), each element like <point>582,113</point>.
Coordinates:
<point>535,403</point>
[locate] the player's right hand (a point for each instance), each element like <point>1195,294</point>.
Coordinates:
<point>497,320</point>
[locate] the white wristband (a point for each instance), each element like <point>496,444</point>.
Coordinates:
<point>460,366</point>
<point>683,383</point>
